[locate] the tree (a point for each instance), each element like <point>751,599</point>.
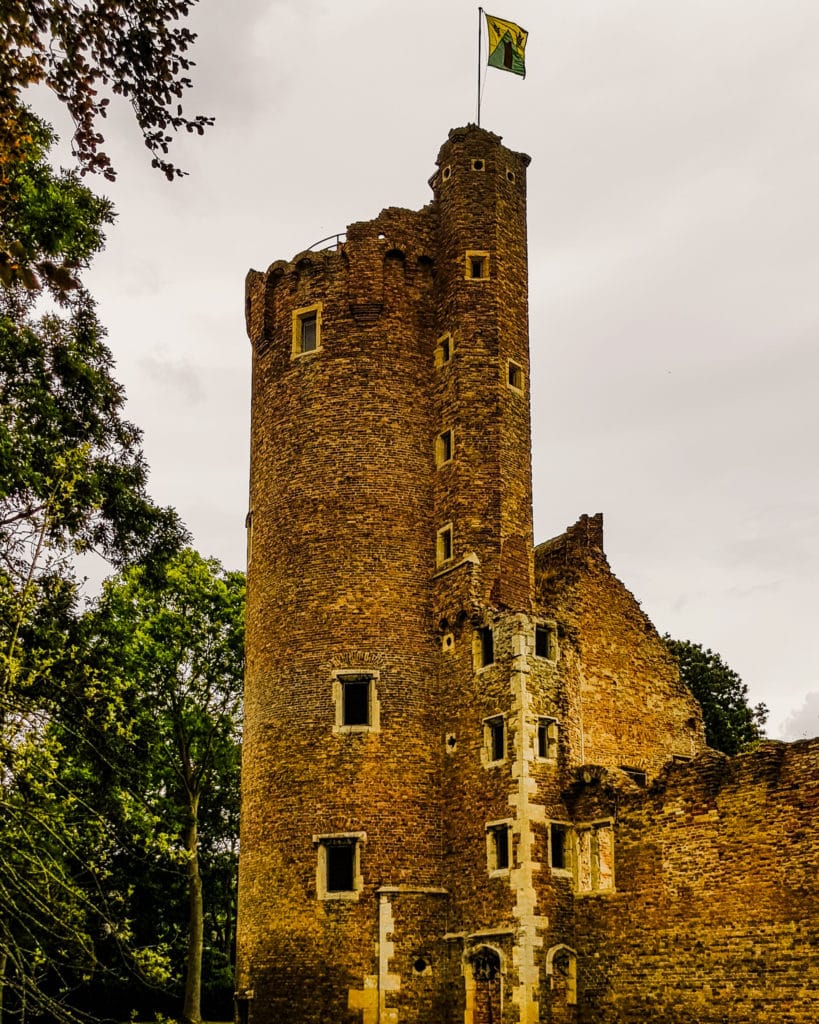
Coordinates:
<point>134,48</point>
<point>178,641</point>
<point>731,724</point>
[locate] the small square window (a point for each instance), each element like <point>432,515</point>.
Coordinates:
<point>356,700</point>
<point>514,376</point>
<point>306,330</point>
<point>443,448</point>
<point>478,165</point>
<point>546,641</point>
<point>477,265</point>
<point>547,739</point>
<point>494,735</point>
<point>338,871</point>
<point>559,849</point>
<point>499,846</point>
<point>443,350</point>
<point>444,545</point>
<point>486,646</point>
<point>635,774</point>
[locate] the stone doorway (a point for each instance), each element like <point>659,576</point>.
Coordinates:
<point>484,997</point>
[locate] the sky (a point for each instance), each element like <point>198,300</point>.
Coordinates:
<point>673,261</point>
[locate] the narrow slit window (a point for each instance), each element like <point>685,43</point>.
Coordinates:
<point>445,548</point>
<point>547,739</point>
<point>500,837</point>
<point>495,736</point>
<point>559,847</point>
<point>306,330</point>
<point>355,697</point>
<point>486,637</point>
<point>443,448</point>
<point>498,846</point>
<point>443,350</point>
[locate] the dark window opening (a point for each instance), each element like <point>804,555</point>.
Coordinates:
<point>445,544</point>
<point>500,844</point>
<point>545,642</point>
<point>559,853</point>
<point>445,349</point>
<point>477,165</point>
<point>635,774</point>
<point>341,866</point>
<point>515,376</point>
<point>355,700</point>
<point>308,333</point>
<point>487,638</point>
<point>496,736</point>
<point>476,266</point>
<point>510,175</point>
<point>444,447</point>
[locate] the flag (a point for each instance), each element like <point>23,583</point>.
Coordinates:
<point>507,42</point>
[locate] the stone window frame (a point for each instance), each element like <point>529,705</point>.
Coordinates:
<point>489,727</point>
<point>356,674</point>
<point>473,255</point>
<point>515,377</point>
<point>564,830</point>
<point>322,842</point>
<point>593,830</point>
<point>479,664</point>
<point>446,173</point>
<point>478,164</point>
<point>445,545</point>
<point>300,315</point>
<point>444,349</point>
<point>494,829</point>
<point>442,446</point>
<point>552,649</point>
<point>510,175</point>
<point>552,736</point>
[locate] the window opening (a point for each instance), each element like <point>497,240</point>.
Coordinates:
<point>545,641</point>
<point>338,874</point>
<point>446,173</point>
<point>341,866</point>
<point>636,774</point>
<point>443,350</point>
<point>510,175</point>
<point>487,639</point>
<point>547,738</point>
<point>478,165</point>
<point>559,843</point>
<point>515,376</point>
<point>594,870</point>
<point>355,700</point>
<point>495,738</point>
<point>477,265</point>
<point>444,551</point>
<point>306,330</point>
<point>499,850</point>
<point>443,448</point>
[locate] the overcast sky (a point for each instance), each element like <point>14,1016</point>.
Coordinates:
<point>673,258</point>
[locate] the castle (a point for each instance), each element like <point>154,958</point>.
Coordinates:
<point>474,788</point>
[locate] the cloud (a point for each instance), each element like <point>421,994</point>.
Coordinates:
<point>804,722</point>
<point>176,376</point>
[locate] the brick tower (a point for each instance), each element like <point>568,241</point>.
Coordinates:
<point>402,754</point>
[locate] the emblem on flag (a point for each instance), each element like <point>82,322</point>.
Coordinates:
<point>507,43</point>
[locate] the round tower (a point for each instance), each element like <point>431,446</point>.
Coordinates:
<point>390,493</point>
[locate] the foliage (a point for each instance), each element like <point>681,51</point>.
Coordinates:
<point>176,642</point>
<point>731,724</point>
<point>136,49</point>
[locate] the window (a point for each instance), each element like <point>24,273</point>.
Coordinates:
<point>510,175</point>
<point>559,848</point>
<point>547,739</point>
<point>635,774</point>
<point>443,448</point>
<point>443,350</point>
<point>446,173</point>
<point>498,846</point>
<point>477,265</point>
<point>478,165</point>
<point>444,544</point>
<point>306,330</point>
<point>515,376</point>
<point>356,701</point>
<point>494,738</point>
<point>546,641</point>
<point>338,871</point>
<point>486,646</point>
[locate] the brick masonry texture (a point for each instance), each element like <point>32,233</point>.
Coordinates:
<point>613,876</point>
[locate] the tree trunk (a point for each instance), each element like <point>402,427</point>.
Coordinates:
<point>191,1011</point>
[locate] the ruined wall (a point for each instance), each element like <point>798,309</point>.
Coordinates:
<point>716,912</point>
<point>625,705</point>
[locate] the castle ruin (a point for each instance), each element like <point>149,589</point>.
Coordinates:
<point>475,790</point>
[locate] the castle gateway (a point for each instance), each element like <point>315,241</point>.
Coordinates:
<point>474,787</point>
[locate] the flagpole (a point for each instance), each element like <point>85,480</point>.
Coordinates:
<point>480,18</point>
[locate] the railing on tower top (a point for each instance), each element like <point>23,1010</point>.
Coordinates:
<point>335,242</point>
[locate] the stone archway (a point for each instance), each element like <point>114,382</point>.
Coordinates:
<point>484,986</point>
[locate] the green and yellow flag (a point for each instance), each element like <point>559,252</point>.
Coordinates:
<point>507,43</point>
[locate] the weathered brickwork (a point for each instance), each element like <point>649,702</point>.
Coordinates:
<point>458,777</point>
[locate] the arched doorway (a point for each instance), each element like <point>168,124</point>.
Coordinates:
<point>484,992</point>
